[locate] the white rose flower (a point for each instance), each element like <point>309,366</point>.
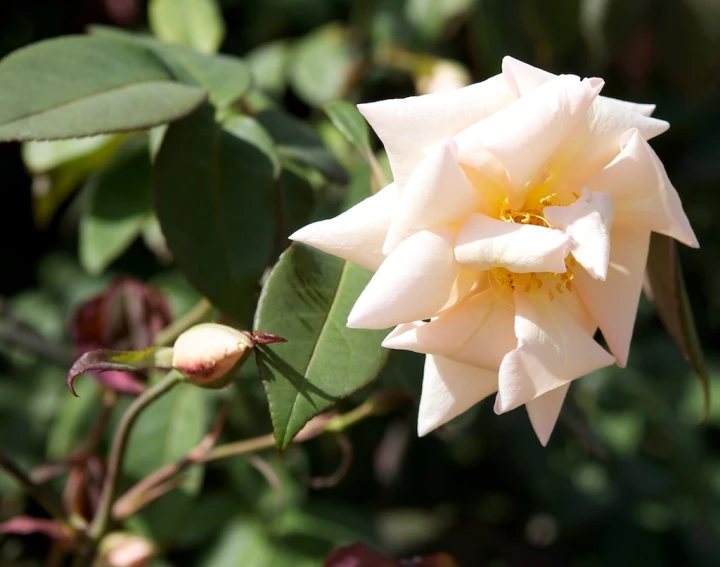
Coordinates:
<point>518,223</point>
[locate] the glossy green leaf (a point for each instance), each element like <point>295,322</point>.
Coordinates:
<point>665,286</point>
<point>121,202</point>
<point>306,300</point>
<point>214,199</point>
<point>322,66</point>
<point>79,86</point>
<point>196,23</point>
<point>226,78</point>
<point>296,141</point>
<point>351,123</point>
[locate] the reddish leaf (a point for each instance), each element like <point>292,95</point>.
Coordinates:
<point>119,362</point>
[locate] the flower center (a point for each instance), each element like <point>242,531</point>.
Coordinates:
<point>540,283</point>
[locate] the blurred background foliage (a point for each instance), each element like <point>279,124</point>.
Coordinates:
<point>629,477</point>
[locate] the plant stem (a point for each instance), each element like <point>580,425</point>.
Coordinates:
<point>196,314</point>
<point>240,448</point>
<point>45,499</point>
<point>102,516</point>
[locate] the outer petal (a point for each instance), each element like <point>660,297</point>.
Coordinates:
<point>478,331</point>
<point>407,126</point>
<point>524,135</point>
<point>413,283</point>
<point>544,412</point>
<point>613,303</point>
<point>450,388</point>
<point>594,142</point>
<point>437,193</point>
<point>484,243</point>
<point>357,234</point>
<point>553,349</point>
<point>645,196</point>
<point>587,222</point>
<point>523,79</point>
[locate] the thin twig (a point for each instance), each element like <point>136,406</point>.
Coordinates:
<point>196,314</point>
<point>102,516</point>
<point>45,498</point>
<point>346,457</point>
<point>125,505</point>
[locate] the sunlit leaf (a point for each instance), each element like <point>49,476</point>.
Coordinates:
<point>306,300</point>
<point>351,123</point>
<point>196,23</point>
<point>79,86</point>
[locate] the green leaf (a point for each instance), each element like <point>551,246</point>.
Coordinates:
<point>665,286</point>
<point>351,123</point>
<point>196,23</point>
<point>306,300</point>
<point>268,64</point>
<point>248,129</point>
<point>79,86</point>
<point>120,204</point>
<point>225,77</point>
<point>296,141</point>
<point>323,64</point>
<point>214,198</point>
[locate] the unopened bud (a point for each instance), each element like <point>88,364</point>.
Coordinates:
<point>206,353</point>
<point>120,549</point>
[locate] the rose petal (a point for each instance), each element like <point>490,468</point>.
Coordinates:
<point>479,331</point>
<point>408,126</point>
<point>587,222</point>
<point>553,349</point>
<point>484,243</point>
<point>524,135</point>
<point>544,412</point>
<point>449,388</point>
<point>645,196</point>
<point>357,235</point>
<point>613,303</point>
<point>594,141</point>
<point>437,193</point>
<point>523,78</point>
<point>412,284</point>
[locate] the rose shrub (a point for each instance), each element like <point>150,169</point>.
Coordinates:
<point>517,224</point>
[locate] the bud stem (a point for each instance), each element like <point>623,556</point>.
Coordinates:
<point>100,522</point>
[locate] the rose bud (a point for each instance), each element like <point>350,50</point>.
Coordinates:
<point>120,549</point>
<point>206,353</point>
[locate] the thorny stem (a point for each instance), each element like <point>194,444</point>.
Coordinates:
<point>44,498</point>
<point>199,312</point>
<point>102,516</point>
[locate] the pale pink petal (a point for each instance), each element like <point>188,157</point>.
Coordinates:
<point>437,193</point>
<point>553,349</point>
<point>587,222</point>
<point>412,284</point>
<point>479,331</point>
<point>595,141</point>
<point>524,135</point>
<point>613,303</point>
<point>450,388</point>
<point>523,78</point>
<point>407,126</point>
<point>644,195</point>
<point>485,243</point>
<point>357,234</point>
<point>640,108</point>
<point>544,412</point>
